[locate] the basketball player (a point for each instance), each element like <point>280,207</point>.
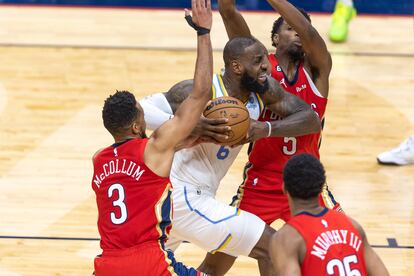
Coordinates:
<point>302,65</point>
<point>316,240</point>
<point>197,171</point>
<point>131,177</point>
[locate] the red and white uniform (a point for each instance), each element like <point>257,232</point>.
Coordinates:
<point>134,206</point>
<point>261,192</point>
<point>333,245</point>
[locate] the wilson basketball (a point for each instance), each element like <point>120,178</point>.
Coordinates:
<point>236,113</point>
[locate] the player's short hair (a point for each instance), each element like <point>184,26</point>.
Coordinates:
<point>236,48</point>
<point>278,23</point>
<point>119,111</point>
<point>304,176</point>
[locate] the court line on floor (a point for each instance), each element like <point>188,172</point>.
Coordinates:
<point>186,49</point>
<point>392,242</point>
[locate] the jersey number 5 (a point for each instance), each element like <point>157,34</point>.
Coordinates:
<point>118,203</point>
<point>290,145</point>
<point>344,267</point>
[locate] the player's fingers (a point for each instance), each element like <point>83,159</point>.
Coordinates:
<point>216,136</point>
<point>208,5</point>
<point>218,129</point>
<point>186,12</point>
<point>216,121</point>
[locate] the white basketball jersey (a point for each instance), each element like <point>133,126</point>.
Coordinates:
<point>206,164</point>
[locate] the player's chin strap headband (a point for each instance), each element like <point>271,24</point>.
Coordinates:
<point>200,30</point>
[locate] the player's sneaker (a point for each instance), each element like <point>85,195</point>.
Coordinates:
<point>340,19</point>
<point>402,155</point>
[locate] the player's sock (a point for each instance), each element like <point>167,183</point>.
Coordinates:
<point>344,12</point>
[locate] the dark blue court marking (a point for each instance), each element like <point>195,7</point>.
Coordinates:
<point>392,242</point>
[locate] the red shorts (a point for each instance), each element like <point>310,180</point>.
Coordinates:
<point>261,194</point>
<point>145,259</point>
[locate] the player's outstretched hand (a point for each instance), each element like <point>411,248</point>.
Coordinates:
<point>201,10</point>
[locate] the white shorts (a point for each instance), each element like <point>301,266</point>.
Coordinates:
<point>212,225</point>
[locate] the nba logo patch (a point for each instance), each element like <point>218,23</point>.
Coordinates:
<point>115,152</point>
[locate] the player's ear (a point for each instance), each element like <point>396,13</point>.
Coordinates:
<point>275,40</point>
<point>236,67</point>
<point>136,128</point>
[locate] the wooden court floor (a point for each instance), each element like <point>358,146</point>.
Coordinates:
<point>59,64</point>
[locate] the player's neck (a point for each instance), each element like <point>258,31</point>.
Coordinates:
<point>287,63</point>
<point>232,85</point>
<point>123,138</point>
<point>301,205</point>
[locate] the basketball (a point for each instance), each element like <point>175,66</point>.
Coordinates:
<point>236,113</point>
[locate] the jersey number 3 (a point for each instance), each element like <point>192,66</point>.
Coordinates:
<point>118,203</point>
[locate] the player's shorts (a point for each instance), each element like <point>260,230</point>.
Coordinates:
<point>212,225</point>
<point>261,194</point>
<point>147,259</point>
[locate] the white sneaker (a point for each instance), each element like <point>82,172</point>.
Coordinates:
<point>402,155</point>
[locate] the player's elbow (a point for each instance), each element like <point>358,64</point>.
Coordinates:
<point>315,125</point>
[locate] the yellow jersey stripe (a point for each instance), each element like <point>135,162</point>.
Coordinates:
<point>259,99</point>
<point>223,244</point>
<point>223,89</point>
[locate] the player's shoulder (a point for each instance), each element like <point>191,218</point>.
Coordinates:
<point>288,236</point>
<point>96,154</point>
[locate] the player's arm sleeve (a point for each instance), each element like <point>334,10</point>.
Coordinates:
<point>157,110</point>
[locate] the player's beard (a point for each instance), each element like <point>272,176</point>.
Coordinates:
<point>296,53</point>
<point>253,85</point>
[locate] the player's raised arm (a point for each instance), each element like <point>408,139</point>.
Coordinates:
<point>234,22</point>
<point>160,149</point>
<point>298,117</point>
<point>313,44</point>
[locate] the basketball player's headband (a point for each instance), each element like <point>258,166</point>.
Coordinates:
<point>200,30</point>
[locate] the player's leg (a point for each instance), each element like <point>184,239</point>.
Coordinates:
<point>220,263</point>
<point>344,12</point>
<point>215,226</point>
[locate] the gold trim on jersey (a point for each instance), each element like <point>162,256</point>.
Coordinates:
<point>261,104</point>
<point>223,88</point>
<point>326,198</point>
<point>158,213</point>
<point>240,190</point>
<point>214,94</point>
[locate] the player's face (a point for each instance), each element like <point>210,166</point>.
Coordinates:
<point>289,40</point>
<point>256,68</point>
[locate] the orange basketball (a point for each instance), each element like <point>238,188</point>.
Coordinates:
<point>236,113</point>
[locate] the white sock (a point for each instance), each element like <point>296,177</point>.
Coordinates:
<point>349,3</point>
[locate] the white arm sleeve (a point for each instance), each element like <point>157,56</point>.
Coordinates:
<point>157,110</point>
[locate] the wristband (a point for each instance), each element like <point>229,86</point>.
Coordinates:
<point>200,30</point>
<point>270,128</point>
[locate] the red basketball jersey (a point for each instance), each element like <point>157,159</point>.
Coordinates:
<point>271,154</point>
<point>333,245</point>
<point>134,203</point>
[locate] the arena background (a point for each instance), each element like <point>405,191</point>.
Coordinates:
<point>61,59</point>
